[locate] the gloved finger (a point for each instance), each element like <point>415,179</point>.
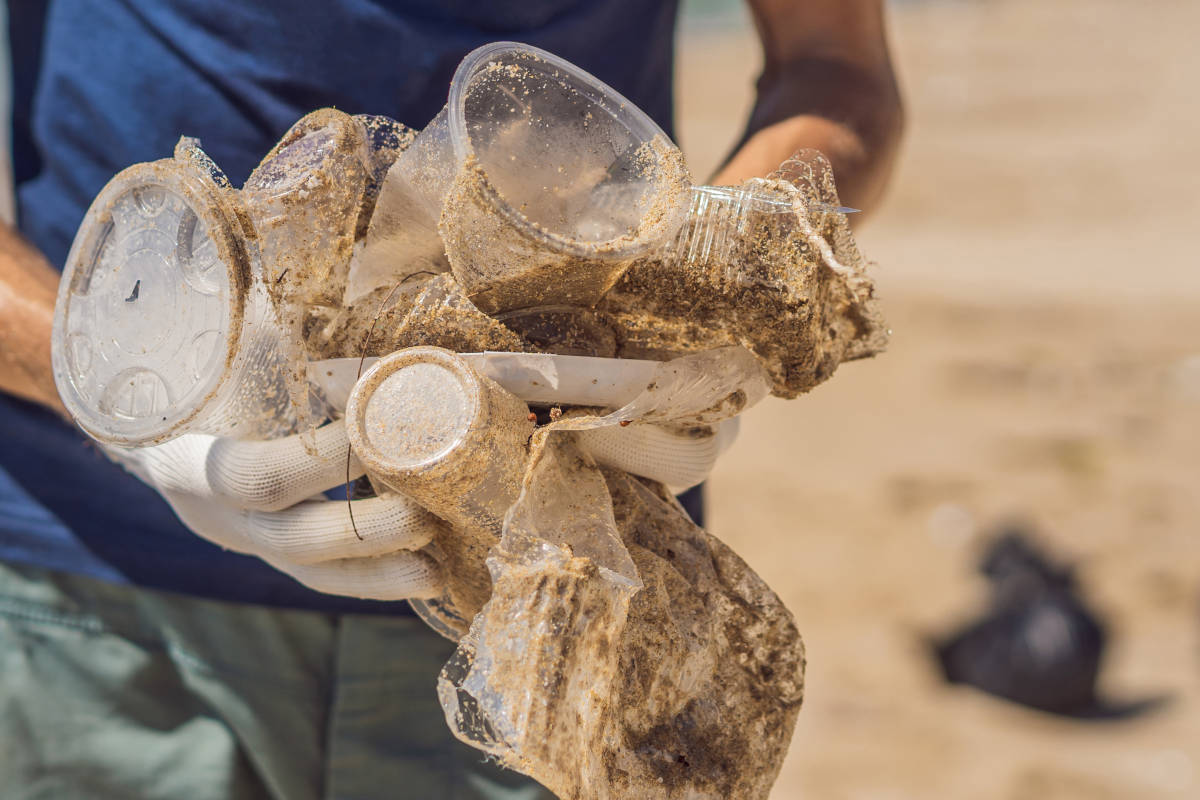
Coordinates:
<point>276,474</point>
<point>312,531</point>
<point>678,458</point>
<point>395,576</point>
<point>261,475</point>
<point>324,530</point>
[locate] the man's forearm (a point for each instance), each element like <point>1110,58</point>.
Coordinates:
<point>855,122</point>
<point>827,83</point>
<point>28,285</point>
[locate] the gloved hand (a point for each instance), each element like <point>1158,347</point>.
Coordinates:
<point>680,458</point>
<point>257,497</point>
<point>262,498</point>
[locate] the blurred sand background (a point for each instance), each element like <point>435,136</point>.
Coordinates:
<point>1037,261</point>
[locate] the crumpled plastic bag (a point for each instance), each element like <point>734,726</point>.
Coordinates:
<point>625,652</point>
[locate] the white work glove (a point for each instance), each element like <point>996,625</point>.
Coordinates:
<point>254,497</point>
<point>263,498</point>
<point>680,458</point>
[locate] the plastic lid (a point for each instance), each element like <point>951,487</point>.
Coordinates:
<point>411,409</point>
<point>150,306</point>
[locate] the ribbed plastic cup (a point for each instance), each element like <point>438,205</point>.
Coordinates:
<point>424,423</point>
<point>719,217</point>
<point>746,268</point>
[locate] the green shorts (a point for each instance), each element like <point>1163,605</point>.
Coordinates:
<point>111,691</point>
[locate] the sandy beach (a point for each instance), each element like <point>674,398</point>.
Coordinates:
<point>1036,257</point>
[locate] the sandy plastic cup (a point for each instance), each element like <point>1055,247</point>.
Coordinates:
<point>159,328</point>
<point>547,184</point>
<point>304,199</point>
<point>719,218</point>
<point>175,313</point>
<point>748,267</point>
<point>426,424</point>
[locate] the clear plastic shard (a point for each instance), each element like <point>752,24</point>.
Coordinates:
<point>386,140</point>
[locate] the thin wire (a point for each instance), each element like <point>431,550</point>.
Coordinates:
<point>362,359</point>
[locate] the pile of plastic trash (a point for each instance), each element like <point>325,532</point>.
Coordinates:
<point>529,280</point>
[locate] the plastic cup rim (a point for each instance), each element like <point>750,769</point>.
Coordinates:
<point>636,120</point>
<point>209,202</point>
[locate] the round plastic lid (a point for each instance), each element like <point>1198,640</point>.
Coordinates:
<point>411,409</point>
<point>150,306</point>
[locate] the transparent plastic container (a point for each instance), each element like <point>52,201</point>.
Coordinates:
<point>770,265</point>
<point>425,424</point>
<point>547,184</point>
<point>720,218</point>
<point>304,198</point>
<point>159,327</point>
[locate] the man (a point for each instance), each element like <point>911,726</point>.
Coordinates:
<point>140,660</point>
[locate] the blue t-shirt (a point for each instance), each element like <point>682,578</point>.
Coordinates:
<point>102,84</point>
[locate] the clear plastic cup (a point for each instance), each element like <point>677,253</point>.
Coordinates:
<point>424,423</point>
<point>304,199</point>
<point>183,302</point>
<point>720,219</point>
<point>546,181</point>
<point>159,327</point>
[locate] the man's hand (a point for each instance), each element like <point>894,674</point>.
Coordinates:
<point>28,285</point>
<point>827,83</point>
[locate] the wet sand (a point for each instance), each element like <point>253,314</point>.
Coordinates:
<point>1037,262</point>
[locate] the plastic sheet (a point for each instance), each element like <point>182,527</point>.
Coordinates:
<point>624,652</point>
